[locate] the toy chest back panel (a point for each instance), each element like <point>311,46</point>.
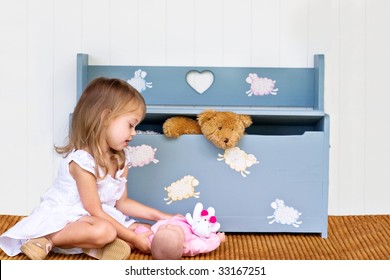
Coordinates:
<point>275,180</point>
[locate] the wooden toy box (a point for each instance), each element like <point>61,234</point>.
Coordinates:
<point>277,181</point>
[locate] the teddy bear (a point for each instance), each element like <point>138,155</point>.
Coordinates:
<point>203,222</point>
<point>222,128</point>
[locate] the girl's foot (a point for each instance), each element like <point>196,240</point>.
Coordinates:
<point>116,250</point>
<point>37,248</point>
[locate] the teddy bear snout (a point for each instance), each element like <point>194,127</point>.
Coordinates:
<point>226,140</point>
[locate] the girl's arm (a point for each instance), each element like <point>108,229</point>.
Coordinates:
<point>138,210</point>
<point>86,185</point>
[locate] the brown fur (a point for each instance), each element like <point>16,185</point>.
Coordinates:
<point>223,129</point>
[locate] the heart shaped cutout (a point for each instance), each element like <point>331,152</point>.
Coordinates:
<point>200,81</point>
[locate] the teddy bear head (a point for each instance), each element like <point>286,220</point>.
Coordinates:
<point>223,129</point>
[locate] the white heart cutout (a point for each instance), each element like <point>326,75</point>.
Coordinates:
<point>200,81</point>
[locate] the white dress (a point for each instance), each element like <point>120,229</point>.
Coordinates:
<point>61,205</point>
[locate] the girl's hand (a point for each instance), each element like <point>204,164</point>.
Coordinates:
<point>141,242</point>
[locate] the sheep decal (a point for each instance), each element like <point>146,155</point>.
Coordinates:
<point>260,86</point>
<point>182,189</point>
<point>140,155</point>
<point>238,160</point>
<point>138,81</point>
<point>284,214</point>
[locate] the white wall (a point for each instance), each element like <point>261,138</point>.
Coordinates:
<point>39,40</point>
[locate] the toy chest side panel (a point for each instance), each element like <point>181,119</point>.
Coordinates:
<point>289,168</point>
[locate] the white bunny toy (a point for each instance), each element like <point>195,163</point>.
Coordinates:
<point>203,222</point>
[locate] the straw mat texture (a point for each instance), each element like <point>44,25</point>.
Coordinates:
<point>349,238</point>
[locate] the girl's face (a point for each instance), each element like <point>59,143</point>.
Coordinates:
<point>121,129</point>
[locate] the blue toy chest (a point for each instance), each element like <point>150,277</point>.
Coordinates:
<point>276,180</point>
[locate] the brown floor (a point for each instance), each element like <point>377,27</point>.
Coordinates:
<point>349,238</point>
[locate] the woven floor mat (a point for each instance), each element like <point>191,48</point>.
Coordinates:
<point>349,238</point>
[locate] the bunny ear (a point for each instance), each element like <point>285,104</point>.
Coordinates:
<point>211,211</point>
<point>189,219</point>
<point>197,210</point>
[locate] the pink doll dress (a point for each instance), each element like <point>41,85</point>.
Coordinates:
<point>61,205</point>
<point>194,244</point>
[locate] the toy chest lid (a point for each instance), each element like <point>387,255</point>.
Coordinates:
<point>178,89</point>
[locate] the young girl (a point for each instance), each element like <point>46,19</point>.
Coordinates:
<point>87,206</point>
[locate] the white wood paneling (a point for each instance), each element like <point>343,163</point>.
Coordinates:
<point>67,42</point>
<point>124,32</point>
<point>209,33</point>
<point>40,39</point>
<point>352,113</point>
<point>237,33</point>
<point>39,140</point>
<point>293,34</point>
<point>265,33</point>
<point>377,119</point>
<point>96,38</point>
<point>180,33</point>
<point>13,104</point>
<point>152,36</point>
<point>332,104</point>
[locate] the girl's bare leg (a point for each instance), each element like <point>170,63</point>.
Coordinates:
<point>87,232</point>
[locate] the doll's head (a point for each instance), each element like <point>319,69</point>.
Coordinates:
<point>168,243</point>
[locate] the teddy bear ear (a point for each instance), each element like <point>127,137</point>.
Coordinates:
<point>205,116</point>
<point>246,120</point>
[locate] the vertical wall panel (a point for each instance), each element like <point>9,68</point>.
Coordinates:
<point>13,104</point>
<point>323,38</point>
<point>67,42</point>
<point>352,113</point>
<point>39,138</point>
<point>265,29</point>
<point>294,33</point>
<point>377,148</point>
<point>209,23</point>
<point>124,32</point>
<point>332,105</point>
<point>237,33</point>
<point>180,32</point>
<point>96,30</point>
<point>152,26</point>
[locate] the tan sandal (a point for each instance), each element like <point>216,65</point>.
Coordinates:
<point>116,250</point>
<point>37,248</point>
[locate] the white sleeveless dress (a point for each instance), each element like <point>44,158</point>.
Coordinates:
<point>61,205</point>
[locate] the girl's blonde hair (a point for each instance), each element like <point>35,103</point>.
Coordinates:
<point>102,100</point>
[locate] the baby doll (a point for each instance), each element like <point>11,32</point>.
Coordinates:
<point>173,238</point>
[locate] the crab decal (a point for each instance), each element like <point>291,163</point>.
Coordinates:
<point>138,81</point>
<point>238,160</point>
<point>140,155</point>
<point>284,215</point>
<point>260,86</point>
<point>182,189</point>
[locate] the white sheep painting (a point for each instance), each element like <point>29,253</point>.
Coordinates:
<point>140,155</point>
<point>238,160</point>
<point>284,214</point>
<point>138,81</point>
<point>182,189</point>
